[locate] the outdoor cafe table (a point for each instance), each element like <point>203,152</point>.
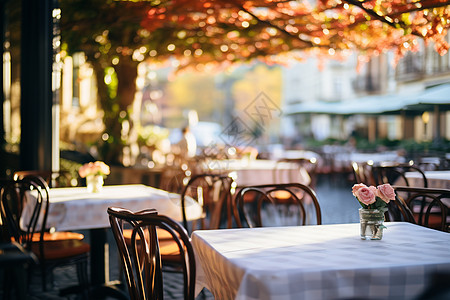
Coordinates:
<point>77,209</point>
<point>435,179</point>
<point>319,262</point>
<point>259,171</point>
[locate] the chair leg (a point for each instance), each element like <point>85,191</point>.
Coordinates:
<point>15,279</point>
<point>43,276</point>
<point>82,274</point>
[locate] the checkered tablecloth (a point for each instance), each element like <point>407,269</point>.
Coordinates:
<point>76,208</point>
<point>319,262</point>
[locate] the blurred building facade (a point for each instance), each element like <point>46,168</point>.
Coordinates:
<point>338,83</point>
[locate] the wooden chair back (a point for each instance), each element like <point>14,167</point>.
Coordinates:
<point>399,211</point>
<point>276,205</point>
<point>429,206</point>
<point>140,257</point>
<point>395,174</point>
<point>173,179</point>
<point>13,202</point>
<point>362,172</point>
<point>214,193</point>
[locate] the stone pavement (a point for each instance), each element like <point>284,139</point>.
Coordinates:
<point>336,200</point>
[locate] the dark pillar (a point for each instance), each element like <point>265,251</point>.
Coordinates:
<point>408,126</point>
<point>2,95</point>
<point>36,85</point>
<point>3,159</point>
<point>436,125</point>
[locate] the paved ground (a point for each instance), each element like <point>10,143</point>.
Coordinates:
<point>337,204</point>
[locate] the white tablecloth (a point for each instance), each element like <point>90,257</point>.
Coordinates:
<point>346,159</point>
<point>76,208</point>
<point>319,262</point>
<point>260,171</point>
<point>435,179</point>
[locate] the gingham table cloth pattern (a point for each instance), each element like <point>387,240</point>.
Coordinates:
<point>76,208</point>
<point>319,262</point>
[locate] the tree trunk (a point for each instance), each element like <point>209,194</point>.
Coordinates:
<point>126,71</point>
<point>111,149</point>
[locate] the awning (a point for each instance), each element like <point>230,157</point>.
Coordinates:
<point>436,95</point>
<point>365,105</point>
<point>378,104</point>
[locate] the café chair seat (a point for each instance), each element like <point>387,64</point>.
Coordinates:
<point>60,249</point>
<point>59,236</point>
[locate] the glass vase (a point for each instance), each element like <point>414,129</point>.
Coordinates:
<point>371,222</point>
<point>94,183</point>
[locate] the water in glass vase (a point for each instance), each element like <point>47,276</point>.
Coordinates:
<point>371,222</point>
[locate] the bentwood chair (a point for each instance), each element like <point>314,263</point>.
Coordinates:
<point>141,255</point>
<point>395,174</point>
<point>429,206</point>
<point>173,178</point>
<point>362,172</point>
<point>276,205</point>
<point>41,182</point>
<point>26,224</point>
<point>214,193</point>
<point>399,211</point>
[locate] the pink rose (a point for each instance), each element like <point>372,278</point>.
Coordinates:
<point>356,187</point>
<point>366,195</point>
<point>386,192</point>
<point>94,168</point>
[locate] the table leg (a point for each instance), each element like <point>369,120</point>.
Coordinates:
<point>101,286</point>
<point>99,256</point>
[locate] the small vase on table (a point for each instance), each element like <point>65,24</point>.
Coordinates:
<point>374,202</point>
<point>371,222</point>
<point>94,183</point>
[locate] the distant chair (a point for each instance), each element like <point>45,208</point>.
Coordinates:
<point>214,193</point>
<point>395,174</point>
<point>276,205</point>
<point>26,224</point>
<point>430,163</point>
<point>141,255</point>
<point>363,173</point>
<point>173,178</point>
<point>429,206</point>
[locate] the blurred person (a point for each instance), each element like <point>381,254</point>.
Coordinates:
<point>187,145</point>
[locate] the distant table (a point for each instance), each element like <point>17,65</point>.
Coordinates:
<point>319,262</point>
<point>435,179</point>
<point>260,171</point>
<point>76,209</point>
<point>359,157</point>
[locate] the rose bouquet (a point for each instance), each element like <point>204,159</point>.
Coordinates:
<point>374,201</point>
<point>94,168</point>
<point>371,197</point>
